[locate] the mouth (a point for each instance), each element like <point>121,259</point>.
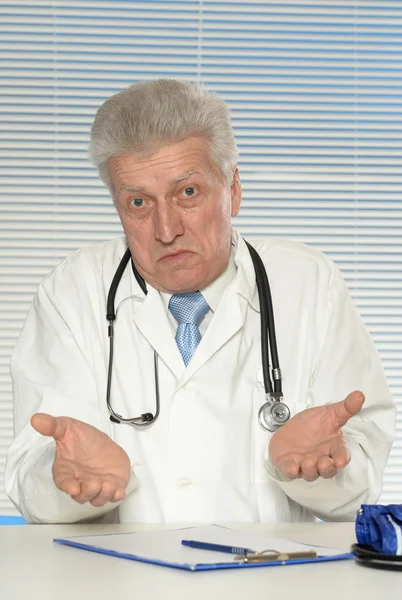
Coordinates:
<point>176,256</point>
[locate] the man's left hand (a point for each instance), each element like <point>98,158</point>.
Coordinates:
<point>311,444</point>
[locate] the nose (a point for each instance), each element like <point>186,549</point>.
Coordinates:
<point>167,222</point>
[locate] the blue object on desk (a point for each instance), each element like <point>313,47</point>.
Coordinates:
<point>217,547</point>
<point>12,520</point>
<point>380,527</point>
<point>165,548</point>
<point>203,567</point>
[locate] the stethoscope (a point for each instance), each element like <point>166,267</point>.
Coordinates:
<point>366,556</point>
<point>274,412</point>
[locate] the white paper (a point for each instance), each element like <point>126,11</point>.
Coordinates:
<point>166,547</point>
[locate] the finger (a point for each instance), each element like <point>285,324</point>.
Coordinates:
<point>290,469</point>
<point>109,493</point>
<point>106,493</point>
<point>90,488</point>
<point>308,468</point>
<point>67,483</point>
<point>341,457</point>
<point>326,467</point>
<point>54,427</point>
<point>119,495</point>
<point>349,407</point>
<point>44,424</point>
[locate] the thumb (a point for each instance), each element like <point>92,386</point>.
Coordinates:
<point>54,427</point>
<point>349,407</point>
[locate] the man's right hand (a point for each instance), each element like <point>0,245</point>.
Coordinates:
<point>88,465</point>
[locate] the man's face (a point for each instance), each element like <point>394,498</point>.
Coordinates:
<point>176,209</point>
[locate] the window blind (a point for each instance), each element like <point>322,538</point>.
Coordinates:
<point>315,93</point>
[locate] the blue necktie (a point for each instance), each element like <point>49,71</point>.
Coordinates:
<point>188,309</point>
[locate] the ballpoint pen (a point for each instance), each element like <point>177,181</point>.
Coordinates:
<point>218,547</point>
<point>247,555</point>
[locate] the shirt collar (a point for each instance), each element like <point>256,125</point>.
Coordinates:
<point>246,282</point>
<point>213,292</point>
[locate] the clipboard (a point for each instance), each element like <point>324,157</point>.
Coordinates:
<point>164,548</point>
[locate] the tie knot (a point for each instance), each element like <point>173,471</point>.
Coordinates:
<point>190,307</point>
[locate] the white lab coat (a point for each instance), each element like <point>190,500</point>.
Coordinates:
<point>205,458</point>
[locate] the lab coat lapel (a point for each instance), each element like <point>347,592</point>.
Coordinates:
<point>152,321</point>
<point>226,321</point>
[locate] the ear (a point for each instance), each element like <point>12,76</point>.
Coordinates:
<point>235,190</point>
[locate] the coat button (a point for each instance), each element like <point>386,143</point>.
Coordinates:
<point>183,483</point>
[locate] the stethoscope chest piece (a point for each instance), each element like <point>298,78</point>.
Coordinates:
<point>273,413</point>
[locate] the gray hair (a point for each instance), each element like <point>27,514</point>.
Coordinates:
<point>148,115</point>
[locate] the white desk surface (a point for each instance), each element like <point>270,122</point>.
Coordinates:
<point>33,567</point>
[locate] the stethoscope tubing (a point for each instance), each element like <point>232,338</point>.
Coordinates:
<point>366,556</point>
<point>268,340</point>
<point>268,333</point>
<point>145,419</point>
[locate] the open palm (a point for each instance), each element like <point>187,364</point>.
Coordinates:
<point>311,444</point>
<point>88,465</point>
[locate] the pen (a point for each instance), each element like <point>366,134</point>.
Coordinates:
<point>218,547</point>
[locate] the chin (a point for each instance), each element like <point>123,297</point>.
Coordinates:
<point>183,286</point>
<point>182,281</point>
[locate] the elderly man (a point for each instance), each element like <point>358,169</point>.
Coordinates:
<point>185,349</point>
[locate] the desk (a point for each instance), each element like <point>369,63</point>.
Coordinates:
<point>33,567</point>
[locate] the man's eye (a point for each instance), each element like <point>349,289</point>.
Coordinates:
<point>138,202</point>
<point>189,191</point>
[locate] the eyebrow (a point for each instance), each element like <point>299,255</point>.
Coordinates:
<point>139,188</point>
<point>185,176</point>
